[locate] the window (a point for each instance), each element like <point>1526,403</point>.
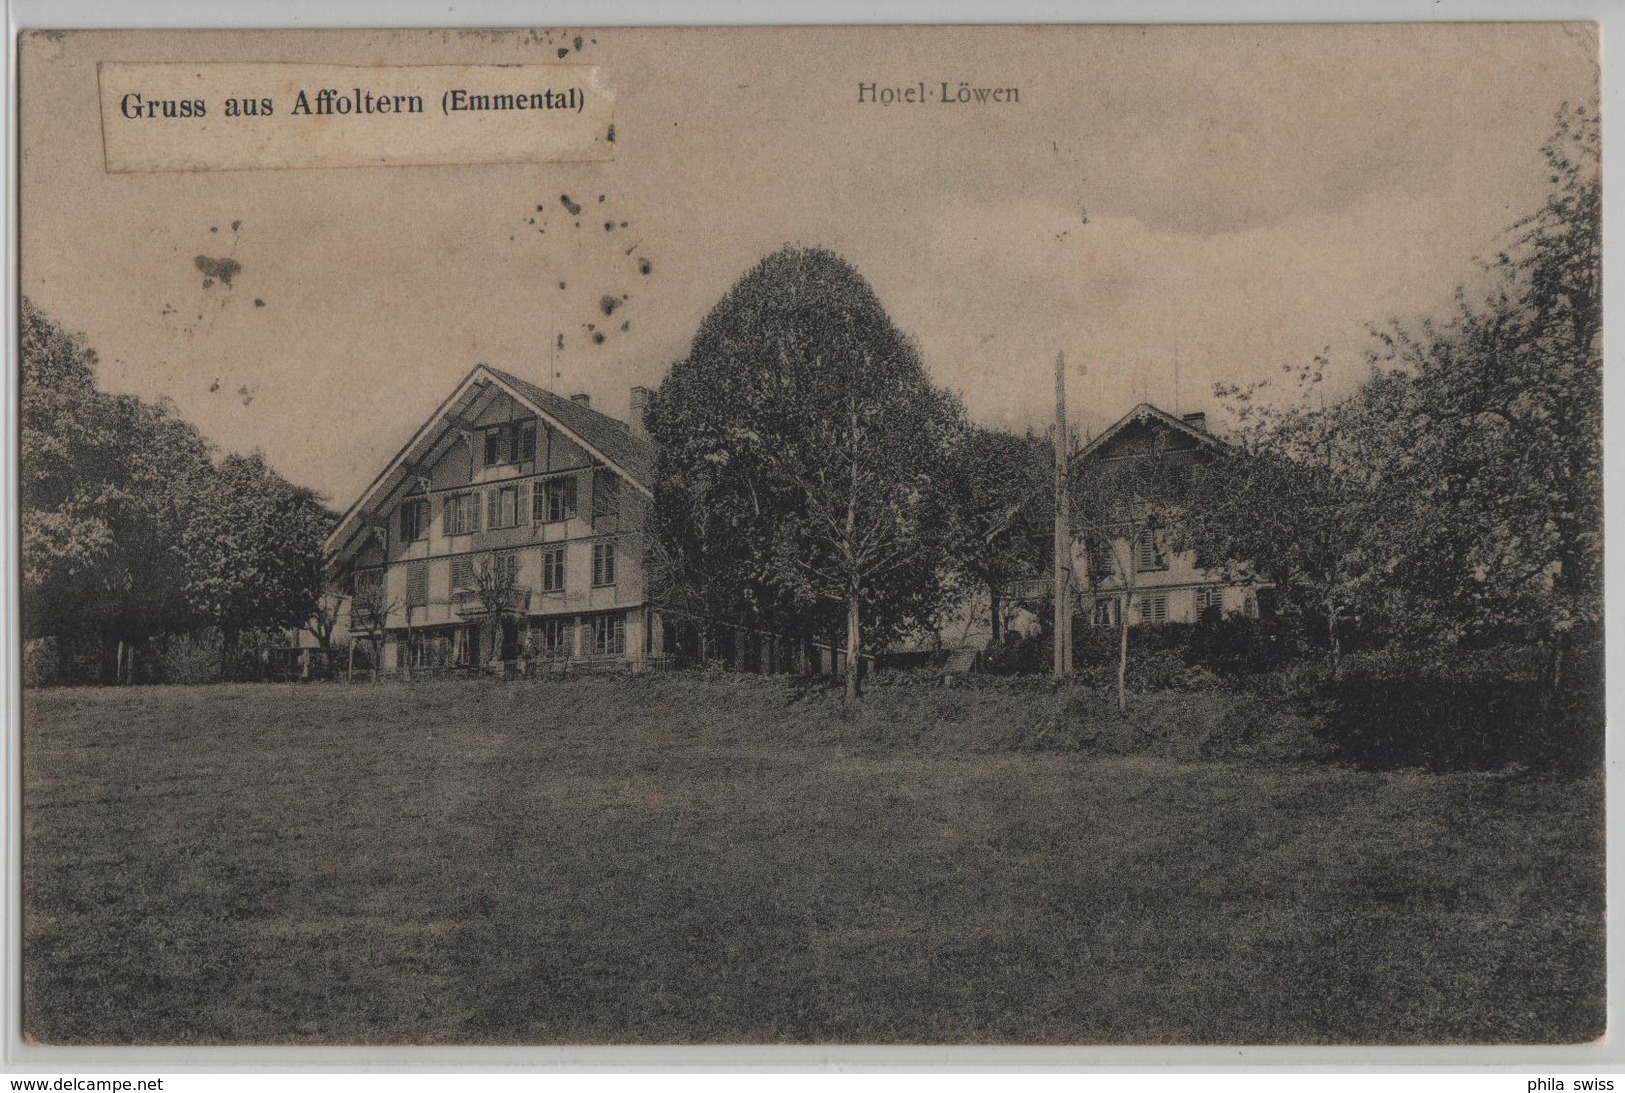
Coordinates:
<point>608,635</point>
<point>1150,552</point>
<point>417,584</point>
<point>462,573</point>
<point>369,582</point>
<point>603,564</point>
<point>502,508</point>
<point>414,520</point>
<point>430,650</point>
<point>1209,599</point>
<point>1153,608</point>
<point>461,514</point>
<point>510,442</point>
<point>503,570</point>
<point>553,570</point>
<point>1105,612</point>
<point>606,494</point>
<point>554,638</point>
<point>554,500</point>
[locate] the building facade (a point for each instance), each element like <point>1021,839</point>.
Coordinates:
<point>507,532</point>
<point>1144,469</point>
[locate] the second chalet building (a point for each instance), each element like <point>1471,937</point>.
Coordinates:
<point>509,527</point>
<point>1128,560</point>
<point>1158,583</point>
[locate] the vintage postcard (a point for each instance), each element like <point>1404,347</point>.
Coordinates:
<point>1054,535</point>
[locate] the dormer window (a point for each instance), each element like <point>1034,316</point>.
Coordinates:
<point>510,442</point>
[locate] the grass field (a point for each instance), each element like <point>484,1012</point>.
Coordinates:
<point>672,859</point>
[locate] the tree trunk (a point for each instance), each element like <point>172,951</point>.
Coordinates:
<point>852,644</point>
<point>1122,653</point>
<point>995,608</point>
<point>1334,641</point>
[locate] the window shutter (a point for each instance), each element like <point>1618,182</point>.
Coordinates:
<point>521,515</point>
<point>606,494</point>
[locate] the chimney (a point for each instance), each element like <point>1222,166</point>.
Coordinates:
<point>1197,421</point>
<point>637,406</point>
<point>583,398</point>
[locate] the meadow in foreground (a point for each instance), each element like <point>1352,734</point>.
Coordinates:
<point>682,860</point>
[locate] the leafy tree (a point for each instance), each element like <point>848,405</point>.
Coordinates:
<point>807,446</point>
<point>108,483</point>
<point>1499,430</point>
<point>1002,512</point>
<point>1292,504</point>
<point>702,565</point>
<point>254,548</point>
<point>1456,496</point>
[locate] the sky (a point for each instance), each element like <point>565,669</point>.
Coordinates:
<point>1233,199</point>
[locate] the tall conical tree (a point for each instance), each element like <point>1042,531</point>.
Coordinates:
<point>803,454</point>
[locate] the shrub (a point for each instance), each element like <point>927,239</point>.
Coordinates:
<point>185,658</point>
<point>1019,654</point>
<point>1464,709</point>
<point>64,661</point>
<point>1240,648</point>
<point>42,663</point>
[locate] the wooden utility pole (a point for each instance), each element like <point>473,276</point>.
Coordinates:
<point>1063,532</point>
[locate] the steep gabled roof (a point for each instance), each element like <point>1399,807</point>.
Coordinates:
<point>603,437</point>
<point>601,434</point>
<point>1144,413</point>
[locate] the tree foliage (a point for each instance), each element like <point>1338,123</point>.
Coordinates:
<point>1496,426</point>
<point>130,530</point>
<point>1003,502</point>
<point>254,550</point>
<point>1289,506</point>
<point>803,451</point>
<point>1454,498</point>
<point>108,483</point>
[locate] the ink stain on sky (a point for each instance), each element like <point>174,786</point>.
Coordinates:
<point>217,269</point>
